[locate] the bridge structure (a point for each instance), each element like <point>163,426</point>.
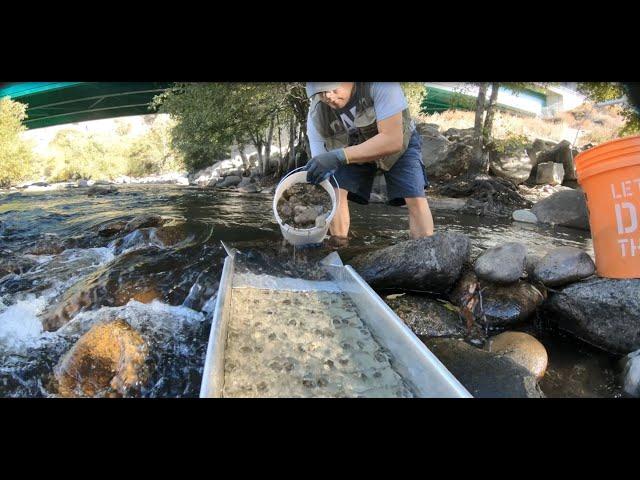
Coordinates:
<point>57,103</point>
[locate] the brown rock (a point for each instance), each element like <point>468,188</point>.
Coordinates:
<point>106,361</point>
<point>523,349</point>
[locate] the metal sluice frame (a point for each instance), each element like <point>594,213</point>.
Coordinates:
<point>411,358</point>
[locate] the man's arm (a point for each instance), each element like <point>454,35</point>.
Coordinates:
<point>388,141</point>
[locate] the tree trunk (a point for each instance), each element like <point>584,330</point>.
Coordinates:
<point>491,110</point>
<point>482,165</point>
<point>291,164</point>
<point>243,155</point>
<point>477,157</point>
<point>267,147</point>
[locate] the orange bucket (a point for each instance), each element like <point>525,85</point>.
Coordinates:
<point>610,177</point>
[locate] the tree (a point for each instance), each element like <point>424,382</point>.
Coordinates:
<point>211,117</point>
<point>483,125</point>
<point>604,91</point>
<point>15,153</point>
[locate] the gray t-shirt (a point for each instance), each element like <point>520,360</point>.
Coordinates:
<point>388,99</point>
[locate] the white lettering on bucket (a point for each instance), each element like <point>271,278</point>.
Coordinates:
<point>633,248</point>
<point>622,229</point>
<point>626,189</point>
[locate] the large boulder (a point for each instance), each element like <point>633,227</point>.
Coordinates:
<point>603,312</point>
<point>484,374</point>
<point>503,264</point>
<point>563,265</point>
<point>430,263</point>
<point>522,348</point>
<point>567,208</point>
<point>107,361</point>
<point>497,306</point>
<point>561,153</point>
<point>549,173</point>
<point>514,166</point>
<point>230,181</point>
<point>427,317</point>
<point>442,157</point>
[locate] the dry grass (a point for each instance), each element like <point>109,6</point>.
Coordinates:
<point>592,124</point>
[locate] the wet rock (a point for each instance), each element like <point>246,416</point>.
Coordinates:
<point>432,263</point>
<point>306,215</point>
<point>11,263</point>
<point>563,265</point>
<point>484,374</point>
<point>49,245</point>
<point>526,216</point>
<point>112,228</point>
<point>107,361</point>
<point>630,374</point>
<point>143,221</point>
<point>530,262</point>
<point>99,189</point>
<point>497,306</point>
<point>427,317</point>
<point>503,264</point>
<point>522,348</point>
<point>302,203</point>
<point>229,181</point>
<point>549,173</point>
<point>567,208</point>
<point>600,311</point>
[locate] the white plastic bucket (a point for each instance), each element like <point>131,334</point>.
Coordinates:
<point>303,236</point>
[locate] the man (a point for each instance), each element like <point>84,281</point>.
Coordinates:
<point>356,128</point>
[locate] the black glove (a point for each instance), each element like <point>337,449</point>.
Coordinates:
<point>324,165</point>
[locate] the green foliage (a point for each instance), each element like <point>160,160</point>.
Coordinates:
<point>510,144</point>
<point>211,117</point>
<point>15,153</point>
<point>415,93</point>
<point>604,91</point>
<point>75,154</point>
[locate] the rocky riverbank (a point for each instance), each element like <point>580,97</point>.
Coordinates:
<point>469,310</point>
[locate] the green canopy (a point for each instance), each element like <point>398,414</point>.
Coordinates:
<point>56,103</point>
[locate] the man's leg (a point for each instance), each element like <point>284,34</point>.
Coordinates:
<point>420,219</point>
<point>340,224</point>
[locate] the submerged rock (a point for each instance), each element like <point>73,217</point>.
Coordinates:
<point>143,221</point>
<point>522,348</point>
<point>566,207</point>
<point>111,228</point>
<point>432,263</point>
<point>427,317</point>
<point>107,361</point>
<point>600,311</point>
<point>503,264</point>
<point>563,265</point>
<point>484,374</point>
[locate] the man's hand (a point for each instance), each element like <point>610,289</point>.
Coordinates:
<point>324,165</point>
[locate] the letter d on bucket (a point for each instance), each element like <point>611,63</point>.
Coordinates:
<point>610,177</point>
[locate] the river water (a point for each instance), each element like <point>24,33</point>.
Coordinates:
<point>163,280</point>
